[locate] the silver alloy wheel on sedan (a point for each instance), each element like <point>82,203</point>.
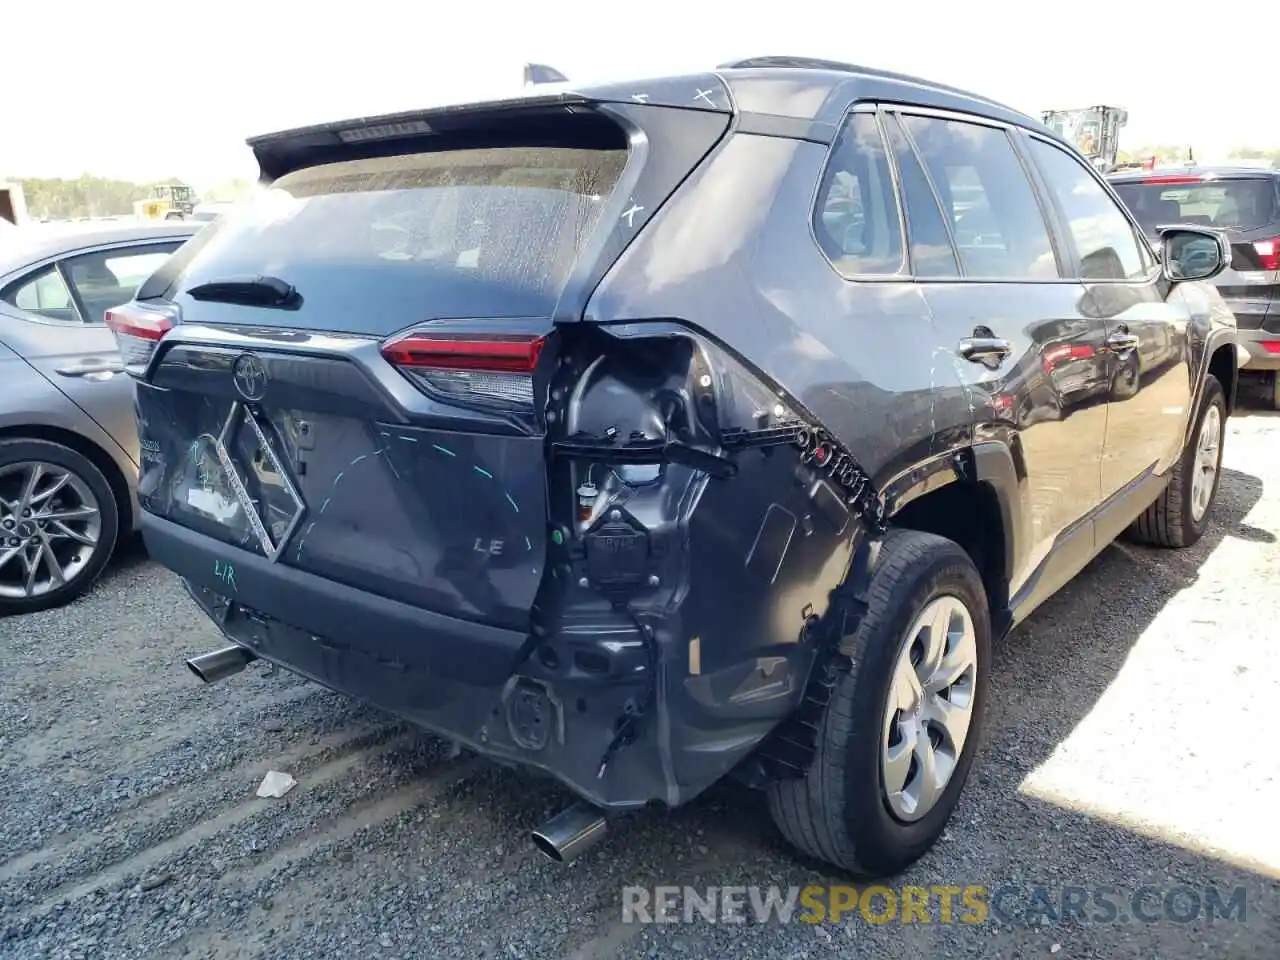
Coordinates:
<point>50,527</point>
<point>930,707</point>
<point>1208,452</point>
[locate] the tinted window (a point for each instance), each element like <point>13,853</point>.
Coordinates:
<point>108,278</point>
<point>1224,203</point>
<point>1104,238</point>
<point>999,230</point>
<point>931,252</point>
<point>45,295</point>
<point>487,232</point>
<point>856,220</point>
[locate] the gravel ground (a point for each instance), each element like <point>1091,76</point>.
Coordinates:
<point>1127,745</point>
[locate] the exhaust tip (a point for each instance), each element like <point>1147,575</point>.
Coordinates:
<point>194,668</point>
<point>214,666</point>
<point>570,832</point>
<point>543,843</point>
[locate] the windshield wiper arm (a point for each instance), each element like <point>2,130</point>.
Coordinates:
<point>249,292</point>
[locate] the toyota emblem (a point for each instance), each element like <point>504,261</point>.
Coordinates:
<point>250,376</point>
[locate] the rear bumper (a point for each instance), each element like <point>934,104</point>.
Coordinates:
<point>471,683</point>
<point>457,650</point>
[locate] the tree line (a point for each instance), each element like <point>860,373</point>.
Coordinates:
<point>90,196</point>
<point>1178,153</point>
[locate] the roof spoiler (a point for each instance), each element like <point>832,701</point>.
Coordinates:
<point>535,73</point>
<point>288,150</point>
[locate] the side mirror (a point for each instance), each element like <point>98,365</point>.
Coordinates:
<point>1193,253</point>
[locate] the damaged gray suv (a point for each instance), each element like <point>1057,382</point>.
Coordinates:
<point>651,433</point>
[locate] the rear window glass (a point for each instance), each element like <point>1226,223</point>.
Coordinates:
<point>376,244</point>
<point>1221,203</point>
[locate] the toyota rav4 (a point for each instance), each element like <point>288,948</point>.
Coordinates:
<point>648,433</point>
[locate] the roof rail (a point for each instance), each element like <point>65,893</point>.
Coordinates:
<point>838,66</point>
<point>795,63</point>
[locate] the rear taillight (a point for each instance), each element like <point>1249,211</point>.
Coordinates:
<point>1268,252</point>
<point>1173,178</point>
<point>1063,353</point>
<point>138,329</point>
<point>495,368</point>
<point>1271,346</point>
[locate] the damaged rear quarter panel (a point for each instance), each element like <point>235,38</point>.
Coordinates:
<point>730,261</point>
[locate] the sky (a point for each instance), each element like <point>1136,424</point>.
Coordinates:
<point>140,89</point>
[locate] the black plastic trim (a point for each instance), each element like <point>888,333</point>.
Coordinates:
<point>462,650</point>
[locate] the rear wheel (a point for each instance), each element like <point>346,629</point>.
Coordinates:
<point>898,738</point>
<point>1180,514</point>
<point>58,524</point>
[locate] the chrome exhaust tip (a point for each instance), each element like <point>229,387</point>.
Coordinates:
<point>571,832</point>
<point>219,664</point>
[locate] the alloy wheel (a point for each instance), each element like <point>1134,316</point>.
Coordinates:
<point>930,708</point>
<point>1205,466</point>
<point>50,528</point>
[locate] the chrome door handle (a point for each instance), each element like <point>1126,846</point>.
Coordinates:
<point>91,367</point>
<point>1120,342</point>
<point>985,350</point>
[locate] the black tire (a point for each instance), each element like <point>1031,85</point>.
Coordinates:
<point>19,450</point>
<point>1169,521</point>
<point>838,812</point>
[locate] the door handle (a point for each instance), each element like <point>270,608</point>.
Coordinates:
<point>989,351</point>
<point>1122,340</point>
<point>90,367</point>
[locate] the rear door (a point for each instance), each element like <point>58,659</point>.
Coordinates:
<point>1148,321</point>
<point>62,333</point>
<point>1009,323</point>
<point>356,380</point>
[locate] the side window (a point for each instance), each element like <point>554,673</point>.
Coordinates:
<point>45,295</point>
<point>108,278</point>
<point>1104,238</point>
<point>931,252</point>
<point>856,216</point>
<point>999,230</point>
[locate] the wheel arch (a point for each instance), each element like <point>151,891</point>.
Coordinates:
<point>99,457</point>
<point>1223,366</point>
<point>970,496</point>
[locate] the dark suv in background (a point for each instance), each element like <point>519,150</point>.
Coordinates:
<point>648,433</point>
<point>1244,203</point>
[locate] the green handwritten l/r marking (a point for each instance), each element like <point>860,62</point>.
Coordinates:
<point>226,573</point>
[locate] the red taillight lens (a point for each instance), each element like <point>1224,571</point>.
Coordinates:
<point>1064,352</point>
<point>492,353</point>
<point>138,329</point>
<point>489,368</point>
<point>1172,178</point>
<point>1271,346</point>
<point>1268,252</point>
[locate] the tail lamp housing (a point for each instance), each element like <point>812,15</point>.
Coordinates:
<point>495,369</point>
<point>138,329</point>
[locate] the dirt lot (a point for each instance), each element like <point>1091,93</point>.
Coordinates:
<point>1131,743</point>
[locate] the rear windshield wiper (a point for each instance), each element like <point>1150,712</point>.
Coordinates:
<point>249,292</point>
